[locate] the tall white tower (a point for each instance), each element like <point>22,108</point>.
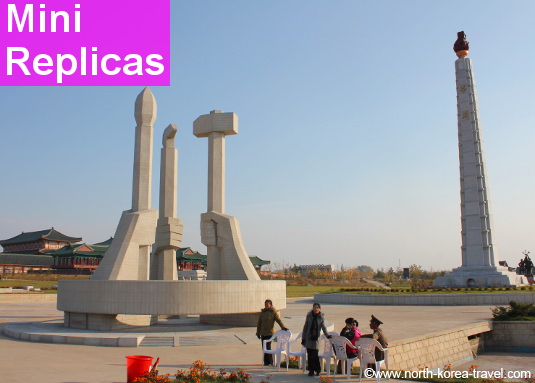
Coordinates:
<point>479,257</point>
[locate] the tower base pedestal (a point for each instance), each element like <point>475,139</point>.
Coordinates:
<point>480,276</point>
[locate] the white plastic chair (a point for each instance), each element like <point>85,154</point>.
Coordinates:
<point>282,338</point>
<point>340,354</point>
<point>327,353</point>
<point>302,354</point>
<point>367,356</point>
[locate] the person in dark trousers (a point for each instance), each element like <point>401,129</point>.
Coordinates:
<point>314,323</point>
<point>266,326</point>
<point>379,335</point>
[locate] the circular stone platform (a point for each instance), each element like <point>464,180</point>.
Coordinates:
<point>167,333</point>
<point>105,305</point>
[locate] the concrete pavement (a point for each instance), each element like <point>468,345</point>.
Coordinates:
<point>52,363</point>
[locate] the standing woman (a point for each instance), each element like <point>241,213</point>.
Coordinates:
<point>311,334</point>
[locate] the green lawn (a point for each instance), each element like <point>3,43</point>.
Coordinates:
<point>291,291</point>
<point>308,291</point>
<point>400,285</point>
<point>18,283</point>
<point>443,291</point>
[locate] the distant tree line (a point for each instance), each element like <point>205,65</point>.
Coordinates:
<point>294,275</point>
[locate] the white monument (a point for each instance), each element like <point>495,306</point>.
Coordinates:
<point>220,233</point>
<point>169,228</point>
<point>128,256</point>
<point>120,294</point>
<point>479,257</point>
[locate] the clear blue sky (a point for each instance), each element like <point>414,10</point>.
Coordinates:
<point>347,151</point>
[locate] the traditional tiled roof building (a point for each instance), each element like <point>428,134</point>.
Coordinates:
<point>79,258</point>
<point>22,263</point>
<point>37,242</point>
<point>188,259</point>
<point>257,262</point>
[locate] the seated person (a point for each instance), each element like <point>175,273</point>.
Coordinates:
<point>352,333</point>
<point>378,335</point>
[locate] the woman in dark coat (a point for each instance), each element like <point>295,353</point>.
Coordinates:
<point>314,323</point>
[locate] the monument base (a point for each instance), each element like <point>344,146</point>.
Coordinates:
<point>108,305</point>
<point>480,276</point>
<point>192,275</point>
<point>238,320</point>
<point>106,322</point>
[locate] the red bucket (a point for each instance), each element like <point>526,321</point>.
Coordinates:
<point>137,366</point>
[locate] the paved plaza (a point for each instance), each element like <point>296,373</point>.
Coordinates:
<point>218,346</point>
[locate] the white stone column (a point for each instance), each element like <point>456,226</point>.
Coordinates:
<point>216,172</point>
<point>128,256</point>
<point>220,233</point>
<point>145,114</point>
<point>169,228</point>
<point>169,173</point>
<point>476,226</point>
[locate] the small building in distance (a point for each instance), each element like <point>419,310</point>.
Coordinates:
<point>37,242</point>
<point>305,269</point>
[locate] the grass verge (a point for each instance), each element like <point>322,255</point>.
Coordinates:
<point>39,282</point>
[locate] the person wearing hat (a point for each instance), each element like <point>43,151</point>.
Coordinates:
<point>378,335</point>
<point>266,327</point>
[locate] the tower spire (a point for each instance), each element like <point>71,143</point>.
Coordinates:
<point>478,252</point>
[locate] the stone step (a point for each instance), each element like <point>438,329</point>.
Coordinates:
<point>157,341</point>
<point>200,341</point>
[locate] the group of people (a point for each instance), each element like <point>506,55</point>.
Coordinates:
<point>525,266</point>
<point>314,325</point>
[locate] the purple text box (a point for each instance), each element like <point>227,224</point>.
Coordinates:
<point>120,43</point>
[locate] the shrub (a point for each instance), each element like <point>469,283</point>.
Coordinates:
<point>515,311</point>
<point>294,362</point>
<point>421,284</point>
<point>199,372</point>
